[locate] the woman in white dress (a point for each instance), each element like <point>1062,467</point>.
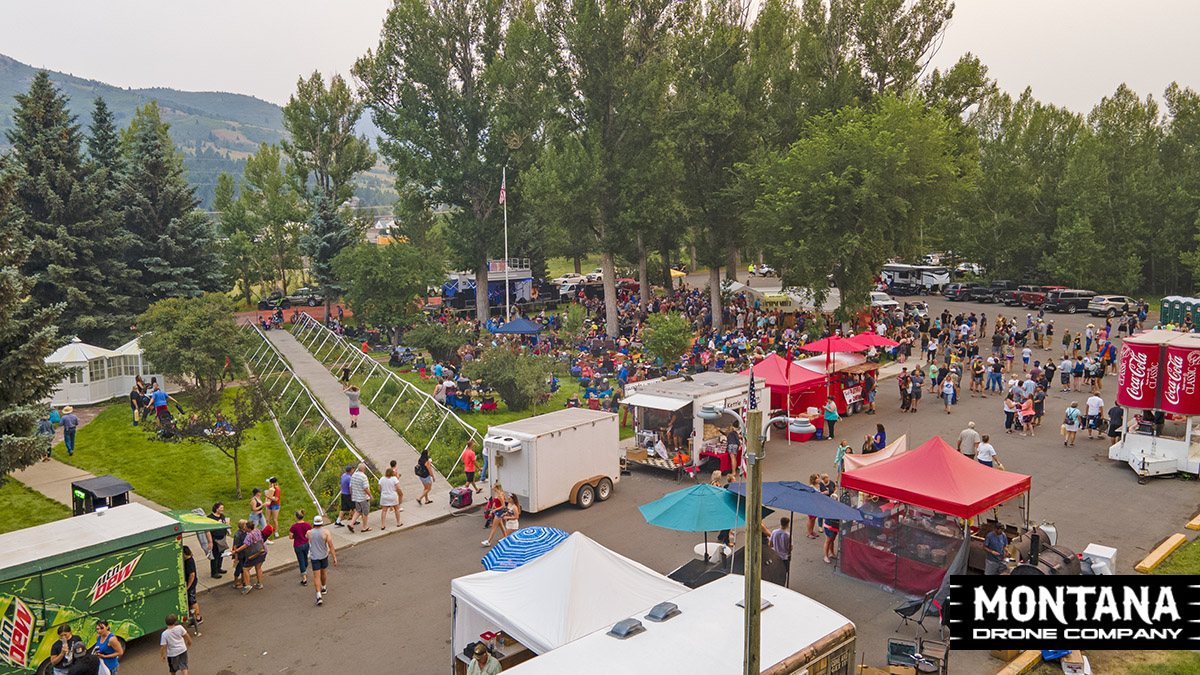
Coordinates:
<point>389,497</point>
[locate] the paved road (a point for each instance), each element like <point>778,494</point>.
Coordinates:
<point>389,604</point>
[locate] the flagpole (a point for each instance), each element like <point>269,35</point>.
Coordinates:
<point>507,303</point>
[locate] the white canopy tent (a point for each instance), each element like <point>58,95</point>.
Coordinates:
<point>575,589</point>
<point>97,374</point>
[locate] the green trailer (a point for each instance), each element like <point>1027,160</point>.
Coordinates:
<point>124,565</point>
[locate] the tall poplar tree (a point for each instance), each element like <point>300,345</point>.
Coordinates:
<point>75,247</point>
<point>175,252</point>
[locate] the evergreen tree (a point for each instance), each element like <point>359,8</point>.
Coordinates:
<point>75,245</point>
<point>326,236</point>
<point>176,253</point>
<point>104,141</point>
<point>27,336</point>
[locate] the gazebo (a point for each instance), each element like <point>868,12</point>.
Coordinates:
<point>97,374</point>
<point>919,508</point>
<point>793,389</point>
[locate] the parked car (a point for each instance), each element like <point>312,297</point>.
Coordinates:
<point>1069,301</point>
<point>276,300</point>
<point>306,296</point>
<point>1015,297</point>
<point>595,275</point>
<point>883,300</point>
<point>959,291</point>
<point>1110,305</point>
<point>992,292</point>
<point>628,284</point>
<point>568,278</point>
<point>916,308</point>
<point>1035,298</point>
<point>765,270</point>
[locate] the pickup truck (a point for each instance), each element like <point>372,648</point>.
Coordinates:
<point>960,291</point>
<point>1014,298</point>
<point>992,292</point>
<point>1036,297</point>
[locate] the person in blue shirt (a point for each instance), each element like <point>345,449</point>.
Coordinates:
<point>879,440</point>
<point>994,544</point>
<point>107,646</point>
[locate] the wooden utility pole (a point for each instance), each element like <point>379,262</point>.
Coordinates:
<point>753,567</point>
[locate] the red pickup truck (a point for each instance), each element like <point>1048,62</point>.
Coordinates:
<point>1034,298</point>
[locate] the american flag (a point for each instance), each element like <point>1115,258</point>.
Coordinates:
<point>503,182</point>
<point>748,404</point>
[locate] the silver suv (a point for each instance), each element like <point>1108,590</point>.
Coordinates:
<point>1110,305</point>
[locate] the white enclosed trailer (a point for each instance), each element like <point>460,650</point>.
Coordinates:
<point>568,455</point>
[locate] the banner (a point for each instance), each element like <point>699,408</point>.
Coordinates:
<point>1137,382</point>
<point>1180,372</point>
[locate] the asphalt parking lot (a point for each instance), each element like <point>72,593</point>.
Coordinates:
<point>389,607</point>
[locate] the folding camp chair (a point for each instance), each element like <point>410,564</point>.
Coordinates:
<point>913,611</point>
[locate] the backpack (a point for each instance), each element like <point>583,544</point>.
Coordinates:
<point>421,471</point>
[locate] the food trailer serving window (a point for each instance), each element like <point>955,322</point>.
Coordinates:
<point>652,402</point>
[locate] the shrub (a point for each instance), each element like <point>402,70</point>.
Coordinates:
<point>519,379</point>
<point>440,341</point>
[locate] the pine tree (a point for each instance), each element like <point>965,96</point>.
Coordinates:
<point>327,235</point>
<point>76,247</point>
<point>175,253</point>
<point>27,336</point>
<point>104,141</point>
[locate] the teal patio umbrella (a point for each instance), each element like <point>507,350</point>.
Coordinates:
<point>700,508</point>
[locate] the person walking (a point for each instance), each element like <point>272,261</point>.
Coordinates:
<point>298,533</point>
<point>46,431</point>
<point>813,480</point>
<point>254,554</point>
<point>468,460</point>
<point>389,497</point>
<point>831,418</point>
<point>986,455</point>
<point>968,440</point>
<point>1116,419</point>
<point>352,393</point>
<point>347,504</point>
<point>1071,423</point>
<point>1095,413</point>
<point>424,471</point>
<point>781,543</point>
<point>217,541</point>
<point>173,645</point>
<point>238,553</point>
<point>507,522</point>
<point>839,460</point>
<point>108,647</point>
<point>274,499</point>
<point>136,401</point>
<point>949,392</point>
<point>831,528</point>
<point>69,424</point>
<point>360,494</point>
<point>320,552</point>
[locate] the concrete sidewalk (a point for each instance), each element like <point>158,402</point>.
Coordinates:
<point>54,479</point>
<point>373,437</point>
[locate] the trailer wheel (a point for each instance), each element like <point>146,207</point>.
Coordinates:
<point>604,489</point>
<point>585,497</point>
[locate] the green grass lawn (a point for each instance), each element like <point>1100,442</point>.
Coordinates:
<point>26,507</point>
<point>181,475</point>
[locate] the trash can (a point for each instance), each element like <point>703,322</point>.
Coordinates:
<point>99,493</point>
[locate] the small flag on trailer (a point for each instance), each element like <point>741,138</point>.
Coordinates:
<point>503,182</point>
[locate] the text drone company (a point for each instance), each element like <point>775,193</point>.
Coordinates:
<point>1110,612</point>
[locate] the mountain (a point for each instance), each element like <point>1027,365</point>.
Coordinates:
<point>216,131</point>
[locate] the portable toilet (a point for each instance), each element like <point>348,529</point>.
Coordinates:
<point>1172,309</point>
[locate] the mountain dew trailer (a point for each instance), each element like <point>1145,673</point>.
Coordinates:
<point>124,565</point>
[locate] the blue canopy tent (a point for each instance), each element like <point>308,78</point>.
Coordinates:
<point>519,326</point>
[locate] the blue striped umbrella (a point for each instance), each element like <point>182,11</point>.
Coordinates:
<point>521,547</point>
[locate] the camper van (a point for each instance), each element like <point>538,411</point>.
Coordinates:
<point>799,635</point>
<point>913,279</point>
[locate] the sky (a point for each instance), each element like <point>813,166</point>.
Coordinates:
<point>1071,52</point>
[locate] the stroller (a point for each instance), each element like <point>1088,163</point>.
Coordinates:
<point>166,423</point>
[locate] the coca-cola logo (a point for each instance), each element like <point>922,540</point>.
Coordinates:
<point>1175,378</point>
<point>1138,374</point>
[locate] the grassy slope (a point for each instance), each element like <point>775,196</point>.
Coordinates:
<point>25,507</point>
<point>183,475</point>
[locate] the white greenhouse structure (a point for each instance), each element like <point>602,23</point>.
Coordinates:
<point>97,374</point>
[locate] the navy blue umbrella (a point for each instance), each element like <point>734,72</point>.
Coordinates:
<point>794,496</point>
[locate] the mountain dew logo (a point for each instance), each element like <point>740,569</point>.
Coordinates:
<point>115,576</point>
<point>16,629</point>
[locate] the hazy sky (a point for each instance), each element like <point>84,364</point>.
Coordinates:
<point>1072,52</point>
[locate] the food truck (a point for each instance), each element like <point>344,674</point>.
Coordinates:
<point>704,628</point>
<point>569,455</point>
<point>1157,388</point>
<point>655,403</point>
<point>123,564</point>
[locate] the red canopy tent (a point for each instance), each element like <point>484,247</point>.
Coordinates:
<point>793,390</point>
<point>912,534</point>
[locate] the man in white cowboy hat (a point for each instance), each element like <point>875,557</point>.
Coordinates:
<point>69,424</point>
